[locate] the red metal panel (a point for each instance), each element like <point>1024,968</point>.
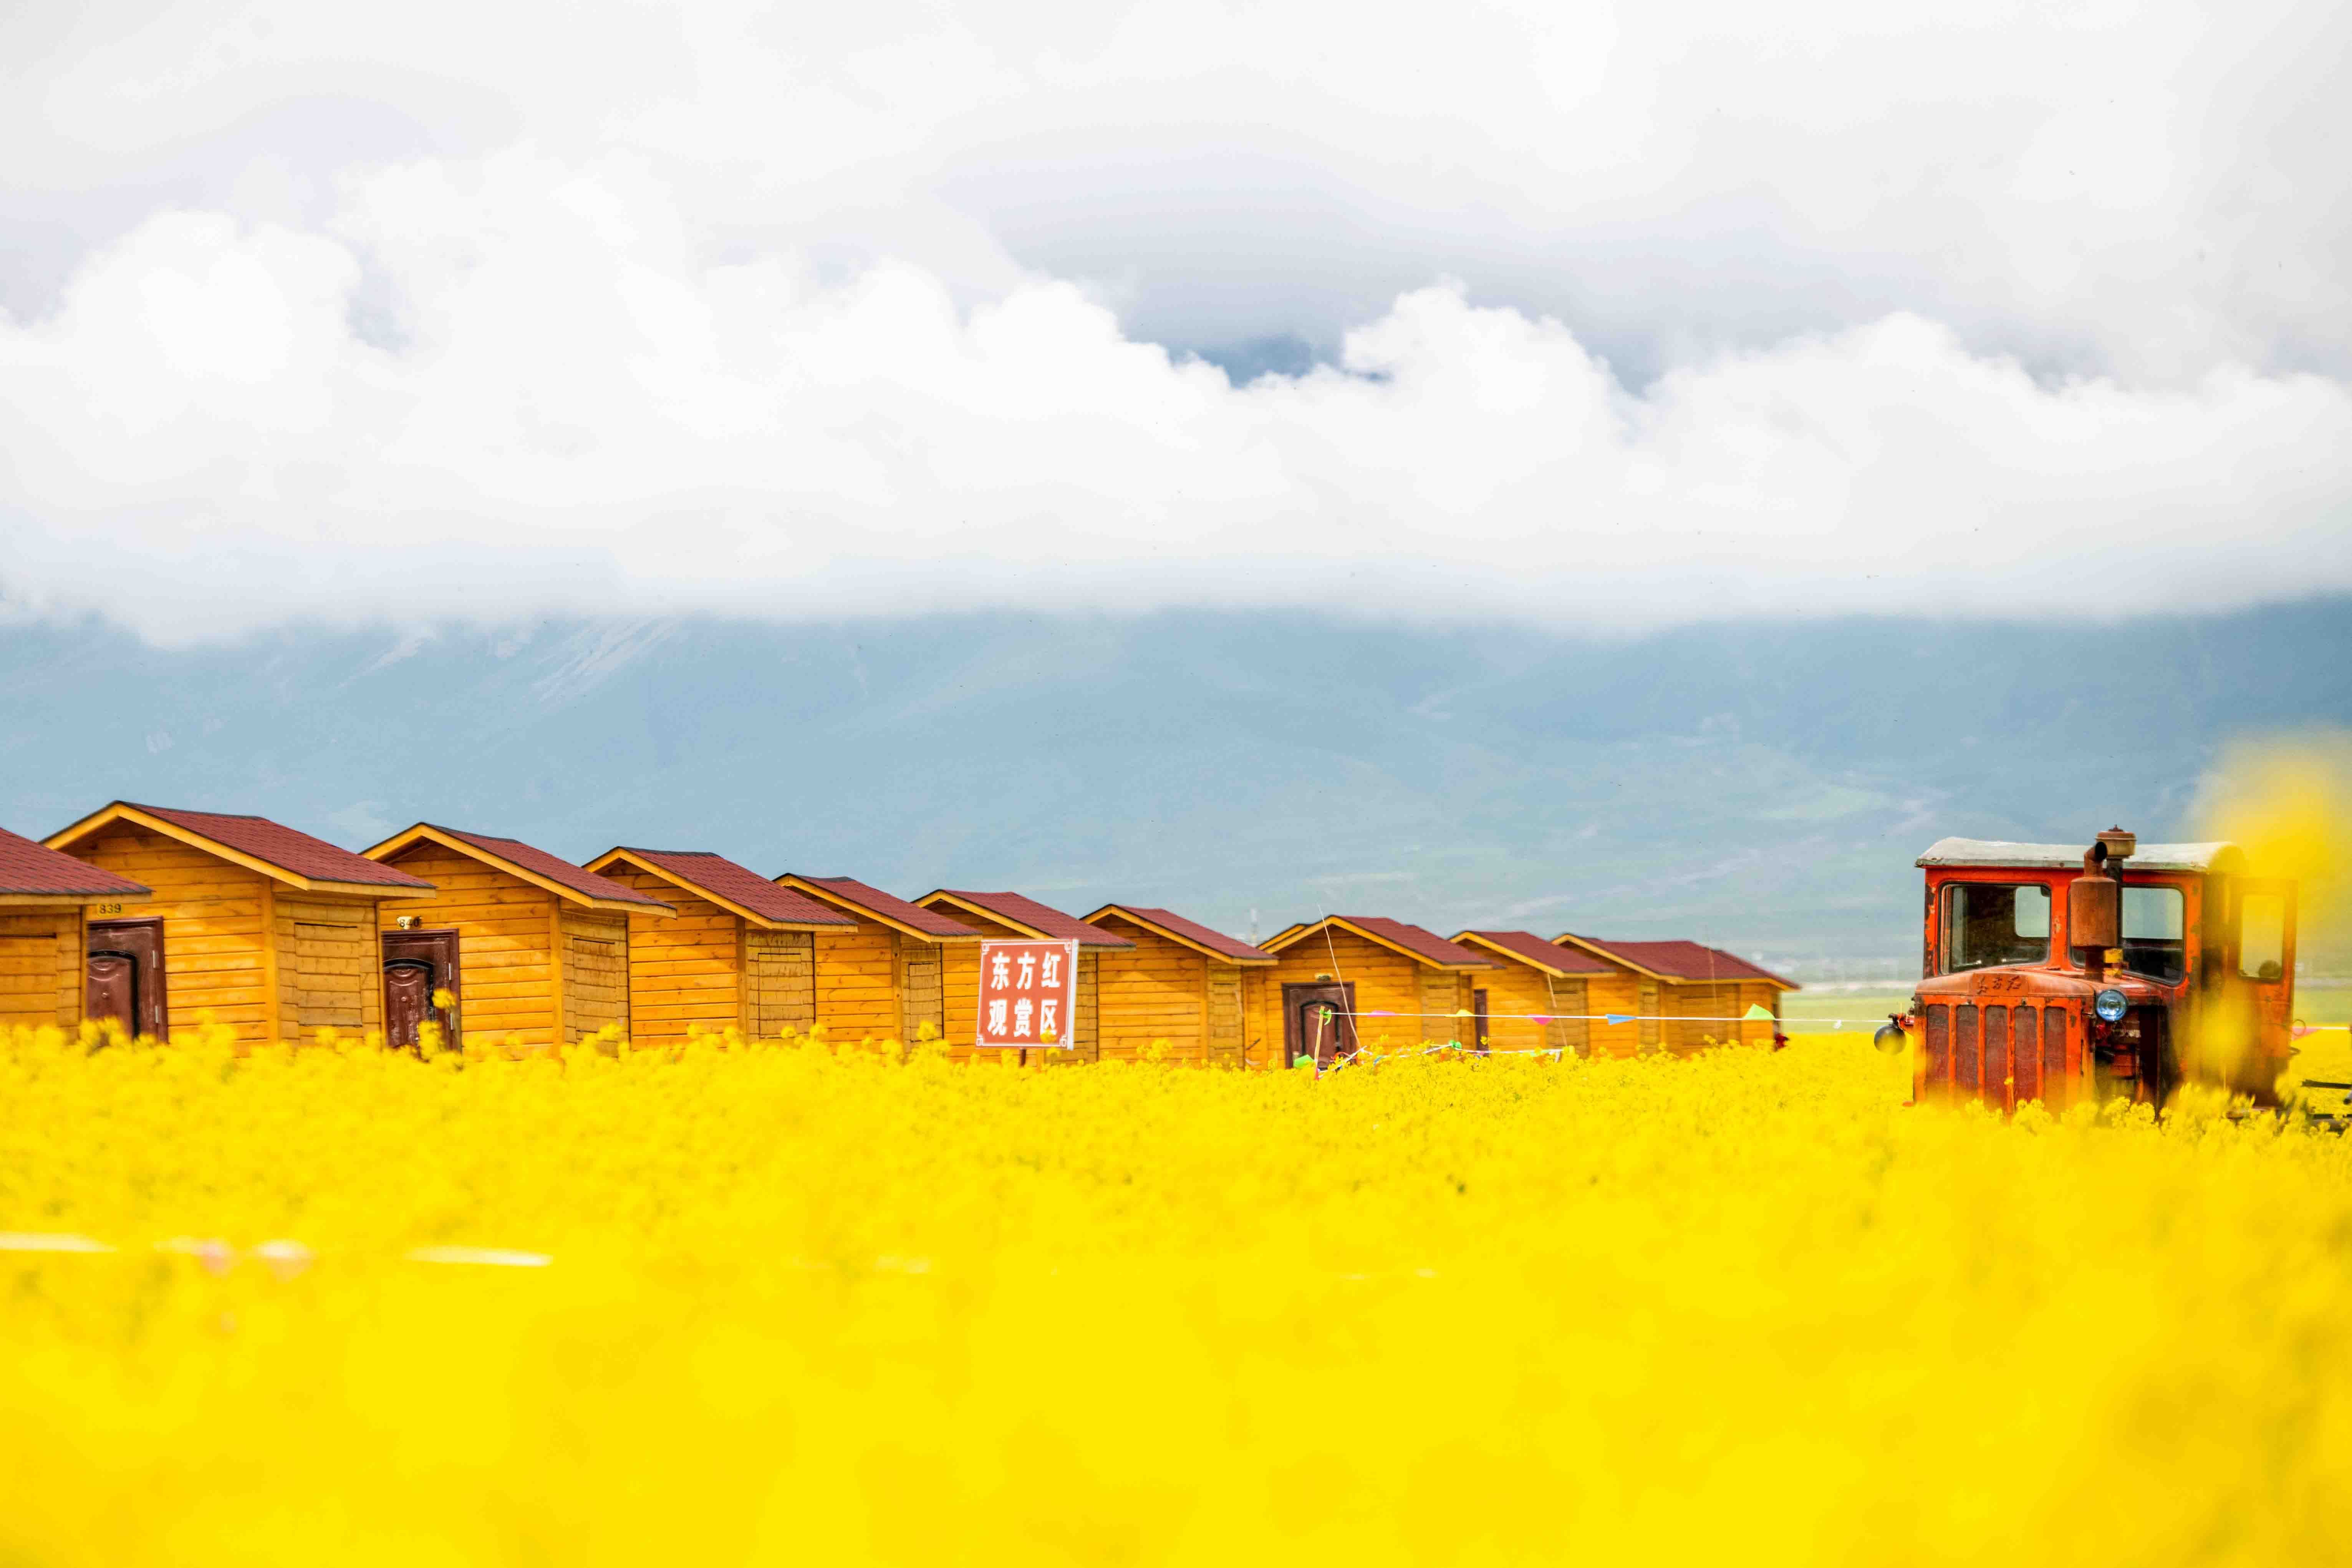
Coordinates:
<point>2057,1071</point>
<point>1998,1056</point>
<point>1939,1048</point>
<point>1964,1049</point>
<point>2025,1056</point>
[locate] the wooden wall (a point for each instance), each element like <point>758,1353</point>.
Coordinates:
<point>960,984</point>
<point>1162,989</point>
<point>1618,991</point>
<point>686,973</point>
<point>329,966</point>
<point>1235,994</point>
<point>595,971</point>
<point>215,914</point>
<point>1698,1006</point>
<point>1515,992</point>
<point>858,978</point>
<point>41,965</point>
<point>779,975</point>
<point>922,993</point>
<point>1385,981</point>
<point>272,963</point>
<point>505,942</point>
<point>1445,1002</point>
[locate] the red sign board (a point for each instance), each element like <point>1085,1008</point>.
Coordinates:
<point>1028,993</point>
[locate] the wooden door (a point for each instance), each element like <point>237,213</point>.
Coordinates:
<point>1479,1019</point>
<point>124,978</point>
<point>418,965</point>
<point>1319,1020</point>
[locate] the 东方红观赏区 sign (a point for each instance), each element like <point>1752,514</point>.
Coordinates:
<point>1028,993</point>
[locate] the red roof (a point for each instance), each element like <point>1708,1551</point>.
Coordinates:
<point>875,901</point>
<point>1422,944</point>
<point>1015,909</point>
<point>564,873</point>
<point>1535,950</point>
<point>284,848</point>
<point>1686,961</point>
<point>1190,931</point>
<point>26,866</point>
<point>718,876</point>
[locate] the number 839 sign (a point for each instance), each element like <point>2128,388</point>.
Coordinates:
<point>1028,993</point>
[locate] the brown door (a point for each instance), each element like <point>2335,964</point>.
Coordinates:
<point>418,965</point>
<point>124,979</point>
<point>1479,1019</point>
<point>1319,1021</point>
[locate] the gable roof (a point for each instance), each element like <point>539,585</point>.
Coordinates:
<point>574,884</point>
<point>732,886</point>
<point>32,872</point>
<point>1028,915</point>
<point>1420,945</point>
<point>860,898</point>
<point>278,852</point>
<point>1682,960</point>
<point>1191,933</point>
<point>1527,947</point>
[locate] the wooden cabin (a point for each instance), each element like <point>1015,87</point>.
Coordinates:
<point>47,972</point>
<point>531,951</point>
<point>1009,916</point>
<point>259,927</point>
<point>879,978</point>
<point>1683,996</point>
<point>741,951</point>
<point>1536,999</point>
<point>1350,981</point>
<point>1198,993</point>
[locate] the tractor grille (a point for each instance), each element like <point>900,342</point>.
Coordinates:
<point>1996,1057</point>
<point>2003,1055</point>
<point>2025,1056</point>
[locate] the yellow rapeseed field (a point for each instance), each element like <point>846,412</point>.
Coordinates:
<point>826,1308</point>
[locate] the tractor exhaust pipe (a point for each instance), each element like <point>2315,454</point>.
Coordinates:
<point>2095,903</point>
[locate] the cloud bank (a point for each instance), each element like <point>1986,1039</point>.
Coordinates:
<point>1631,316</point>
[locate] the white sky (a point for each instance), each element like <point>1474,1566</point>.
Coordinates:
<point>1626,314</point>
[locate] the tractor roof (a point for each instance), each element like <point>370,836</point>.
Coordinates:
<point>2216,857</point>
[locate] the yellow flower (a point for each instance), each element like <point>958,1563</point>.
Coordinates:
<point>787,1301</point>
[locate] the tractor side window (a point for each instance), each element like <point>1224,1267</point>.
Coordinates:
<point>2261,936</point>
<point>2152,933</point>
<point>1985,923</point>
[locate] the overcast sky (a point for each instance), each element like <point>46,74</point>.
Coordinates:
<point>1582,314</point>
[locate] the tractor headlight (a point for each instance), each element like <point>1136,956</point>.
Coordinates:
<point>2109,1005</point>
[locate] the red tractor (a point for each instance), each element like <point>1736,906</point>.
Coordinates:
<point>2062,972</point>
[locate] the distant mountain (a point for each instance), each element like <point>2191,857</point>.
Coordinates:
<point>1762,787</point>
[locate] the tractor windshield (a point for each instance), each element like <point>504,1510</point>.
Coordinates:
<point>2152,928</point>
<point>2261,936</point>
<point>1987,923</point>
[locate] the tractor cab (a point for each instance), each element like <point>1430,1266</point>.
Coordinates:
<point>2064,972</point>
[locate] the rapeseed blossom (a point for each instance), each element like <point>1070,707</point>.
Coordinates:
<point>818,1305</point>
